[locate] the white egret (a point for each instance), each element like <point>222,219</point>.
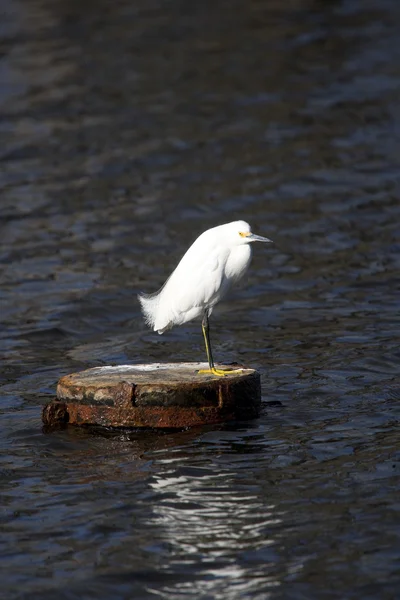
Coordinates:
<point>218,258</point>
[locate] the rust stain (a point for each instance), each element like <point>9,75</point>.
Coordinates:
<point>152,417</point>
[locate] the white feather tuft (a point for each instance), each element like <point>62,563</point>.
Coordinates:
<point>149,304</point>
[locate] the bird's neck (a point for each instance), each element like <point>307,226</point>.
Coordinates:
<point>238,262</point>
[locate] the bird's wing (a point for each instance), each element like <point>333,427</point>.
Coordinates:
<point>196,283</point>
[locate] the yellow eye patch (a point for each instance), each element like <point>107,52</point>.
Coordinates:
<point>244,233</point>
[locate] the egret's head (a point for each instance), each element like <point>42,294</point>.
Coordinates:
<point>244,235</point>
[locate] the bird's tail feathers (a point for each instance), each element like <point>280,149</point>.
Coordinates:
<point>149,304</point>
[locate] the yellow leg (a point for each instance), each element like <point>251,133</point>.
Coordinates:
<point>212,370</point>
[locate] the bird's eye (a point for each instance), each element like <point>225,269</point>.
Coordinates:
<point>244,233</point>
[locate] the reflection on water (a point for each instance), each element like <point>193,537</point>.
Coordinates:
<point>217,527</point>
<point>127,129</point>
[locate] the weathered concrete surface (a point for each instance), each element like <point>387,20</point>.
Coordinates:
<point>161,395</point>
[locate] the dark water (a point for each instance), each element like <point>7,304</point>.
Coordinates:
<point>128,128</point>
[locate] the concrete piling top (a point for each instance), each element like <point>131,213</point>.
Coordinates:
<point>161,395</point>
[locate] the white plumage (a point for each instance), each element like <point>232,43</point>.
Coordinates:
<point>216,260</point>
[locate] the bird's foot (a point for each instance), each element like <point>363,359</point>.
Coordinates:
<point>219,372</point>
